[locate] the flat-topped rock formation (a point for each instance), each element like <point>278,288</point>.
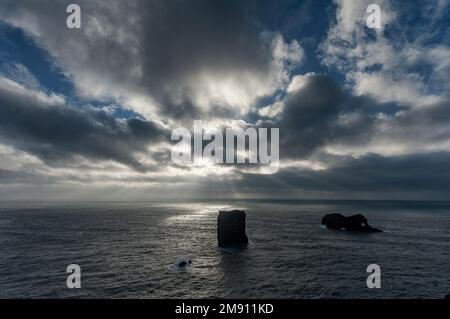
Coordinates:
<point>231,228</point>
<point>353,223</point>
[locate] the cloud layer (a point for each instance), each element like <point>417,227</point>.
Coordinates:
<point>361,112</point>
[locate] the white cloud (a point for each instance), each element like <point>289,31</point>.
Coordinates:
<point>272,110</point>
<point>408,89</point>
<point>298,82</point>
<point>385,66</point>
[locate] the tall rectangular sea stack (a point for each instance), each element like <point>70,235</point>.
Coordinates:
<point>231,228</point>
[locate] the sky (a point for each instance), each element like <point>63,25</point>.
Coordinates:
<point>87,114</point>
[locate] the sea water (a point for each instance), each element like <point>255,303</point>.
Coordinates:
<point>126,250</point>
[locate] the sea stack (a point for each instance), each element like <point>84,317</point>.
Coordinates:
<point>353,223</point>
<point>231,228</point>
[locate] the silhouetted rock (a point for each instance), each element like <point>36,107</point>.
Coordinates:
<point>231,228</point>
<point>184,263</point>
<point>447,296</point>
<point>181,264</point>
<point>334,221</point>
<point>354,223</point>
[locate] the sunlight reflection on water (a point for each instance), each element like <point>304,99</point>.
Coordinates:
<point>195,212</point>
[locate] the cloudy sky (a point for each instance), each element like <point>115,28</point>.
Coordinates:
<point>86,114</point>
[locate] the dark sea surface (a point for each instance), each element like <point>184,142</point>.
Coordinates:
<point>126,250</point>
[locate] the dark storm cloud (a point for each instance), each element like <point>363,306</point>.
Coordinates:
<point>55,132</point>
<point>320,113</point>
<point>370,173</point>
<point>181,39</point>
<point>155,47</point>
<point>187,36</point>
<point>314,116</point>
<point>309,115</point>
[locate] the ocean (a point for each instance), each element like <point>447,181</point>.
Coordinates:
<point>126,250</point>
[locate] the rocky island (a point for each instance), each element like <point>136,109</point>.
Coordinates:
<point>354,223</point>
<point>231,228</point>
